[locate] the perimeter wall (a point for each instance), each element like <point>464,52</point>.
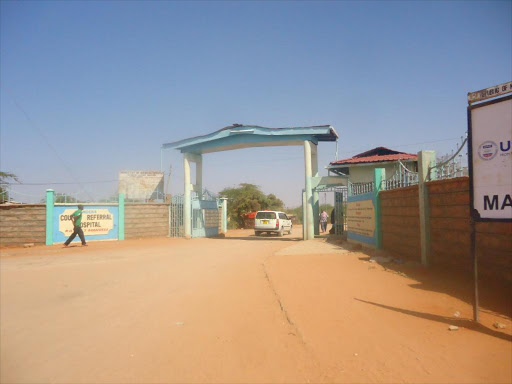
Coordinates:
<point>22,224</point>
<point>146,220</point>
<point>449,229</point>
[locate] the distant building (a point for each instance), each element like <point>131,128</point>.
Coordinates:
<point>360,167</point>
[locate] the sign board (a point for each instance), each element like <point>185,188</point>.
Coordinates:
<point>361,218</point>
<point>483,94</point>
<point>141,185</point>
<point>490,160</point>
<point>98,222</point>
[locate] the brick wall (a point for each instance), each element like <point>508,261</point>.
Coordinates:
<point>21,224</point>
<point>450,232</point>
<point>400,222</point>
<point>146,220</point>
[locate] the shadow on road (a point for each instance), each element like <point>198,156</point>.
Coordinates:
<point>454,281</point>
<point>466,323</point>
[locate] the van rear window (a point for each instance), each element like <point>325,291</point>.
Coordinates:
<point>266,215</point>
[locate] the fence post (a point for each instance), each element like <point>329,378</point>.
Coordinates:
<point>426,159</point>
<point>49,216</point>
<point>121,216</point>
<point>379,175</point>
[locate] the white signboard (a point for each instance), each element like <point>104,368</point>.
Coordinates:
<point>490,129</point>
<point>141,184</point>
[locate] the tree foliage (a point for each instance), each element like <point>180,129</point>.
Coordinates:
<point>5,177</point>
<point>248,198</point>
<point>64,198</point>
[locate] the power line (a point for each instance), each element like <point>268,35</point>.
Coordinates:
<point>406,145</point>
<point>47,142</point>
<point>66,183</point>
<point>345,151</point>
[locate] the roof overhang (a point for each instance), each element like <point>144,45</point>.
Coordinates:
<point>373,163</point>
<point>246,136</point>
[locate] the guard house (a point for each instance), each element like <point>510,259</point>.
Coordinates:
<point>359,168</point>
<point>240,136</point>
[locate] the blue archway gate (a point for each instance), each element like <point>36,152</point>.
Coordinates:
<point>198,212</point>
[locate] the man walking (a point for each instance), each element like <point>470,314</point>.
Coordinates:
<point>76,218</point>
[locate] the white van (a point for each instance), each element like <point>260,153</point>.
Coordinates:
<point>272,221</point>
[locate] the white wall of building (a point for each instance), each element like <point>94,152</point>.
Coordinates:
<point>364,173</point>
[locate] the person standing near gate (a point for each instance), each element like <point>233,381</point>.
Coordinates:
<point>323,221</point>
<point>76,218</point>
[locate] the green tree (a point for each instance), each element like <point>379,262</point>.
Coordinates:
<point>64,198</point>
<point>5,177</point>
<point>248,198</point>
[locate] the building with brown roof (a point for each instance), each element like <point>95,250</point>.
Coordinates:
<point>360,167</point>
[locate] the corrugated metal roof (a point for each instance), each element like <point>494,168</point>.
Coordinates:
<point>377,155</point>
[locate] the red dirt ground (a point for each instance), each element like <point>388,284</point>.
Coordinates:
<point>240,310</point>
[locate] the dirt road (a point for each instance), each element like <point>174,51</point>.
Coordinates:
<point>235,310</point>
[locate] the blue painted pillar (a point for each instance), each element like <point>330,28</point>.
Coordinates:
<point>120,224</point>
<point>50,201</point>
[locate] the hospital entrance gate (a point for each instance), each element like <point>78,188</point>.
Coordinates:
<point>205,216</point>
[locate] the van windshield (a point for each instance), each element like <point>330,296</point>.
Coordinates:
<point>266,215</point>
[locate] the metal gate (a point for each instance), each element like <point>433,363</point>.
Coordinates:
<point>176,217</point>
<point>340,209</point>
<point>205,215</point>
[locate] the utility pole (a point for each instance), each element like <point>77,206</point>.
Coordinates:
<point>168,180</point>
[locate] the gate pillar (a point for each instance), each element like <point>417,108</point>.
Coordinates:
<point>199,176</point>
<point>316,200</point>
<point>197,187</point>
<point>187,202</point>
<point>309,222</point>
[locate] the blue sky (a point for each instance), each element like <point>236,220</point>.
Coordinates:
<point>91,88</point>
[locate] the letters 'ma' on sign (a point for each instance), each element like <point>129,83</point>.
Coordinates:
<point>490,147</point>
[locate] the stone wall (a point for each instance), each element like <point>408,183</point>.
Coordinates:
<point>22,224</point>
<point>146,220</point>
